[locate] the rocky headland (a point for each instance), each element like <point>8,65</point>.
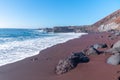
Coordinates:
<point>110,22</point>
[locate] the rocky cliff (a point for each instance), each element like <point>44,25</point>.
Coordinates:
<point>110,22</point>
<point>65,29</point>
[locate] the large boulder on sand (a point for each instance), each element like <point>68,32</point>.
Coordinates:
<point>114,59</point>
<point>70,62</point>
<point>117,33</point>
<point>92,51</point>
<point>116,45</point>
<point>102,45</point>
<point>115,48</point>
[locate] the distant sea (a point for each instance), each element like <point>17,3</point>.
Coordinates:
<point>17,44</point>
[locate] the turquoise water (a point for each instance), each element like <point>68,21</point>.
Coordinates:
<point>21,34</point>
<point>17,44</point>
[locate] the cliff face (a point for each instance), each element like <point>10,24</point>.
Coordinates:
<point>66,29</point>
<point>63,29</point>
<point>82,28</point>
<point>112,21</point>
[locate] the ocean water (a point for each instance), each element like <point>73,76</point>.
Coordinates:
<point>17,44</point>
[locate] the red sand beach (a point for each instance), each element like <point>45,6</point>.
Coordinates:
<point>41,67</point>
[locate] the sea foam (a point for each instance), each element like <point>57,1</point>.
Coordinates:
<point>15,50</point>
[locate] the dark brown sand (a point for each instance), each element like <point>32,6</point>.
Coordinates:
<point>41,67</point>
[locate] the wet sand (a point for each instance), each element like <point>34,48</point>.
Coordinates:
<point>41,66</point>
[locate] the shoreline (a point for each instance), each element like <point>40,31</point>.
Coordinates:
<point>31,47</point>
<point>41,66</point>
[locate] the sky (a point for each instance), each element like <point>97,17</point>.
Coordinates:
<point>50,13</point>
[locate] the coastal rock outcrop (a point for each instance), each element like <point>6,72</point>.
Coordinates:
<point>113,51</point>
<point>110,22</point>
<point>102,45</point>
<point>70,62</point>
<point>115,32</point>
<point>115,48</point>
<point>107,27</point>
<point>116,45</point>
<point>92,51</point>
<point>114,59</point>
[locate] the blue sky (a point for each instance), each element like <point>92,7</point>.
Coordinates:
<point>49,13</point>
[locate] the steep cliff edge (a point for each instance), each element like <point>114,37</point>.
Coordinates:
<point>110,22</point>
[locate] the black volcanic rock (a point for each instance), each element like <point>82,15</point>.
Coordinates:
<point>70,62</point>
